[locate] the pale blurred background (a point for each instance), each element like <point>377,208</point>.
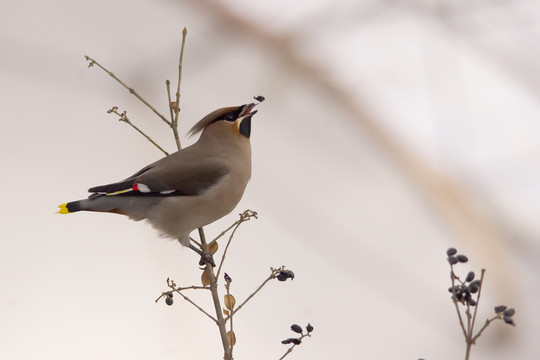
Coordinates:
<point>392,130</point>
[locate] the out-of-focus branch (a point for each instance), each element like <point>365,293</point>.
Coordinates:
<point>446,195</point>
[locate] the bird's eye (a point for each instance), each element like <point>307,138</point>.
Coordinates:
<point>230,117</point>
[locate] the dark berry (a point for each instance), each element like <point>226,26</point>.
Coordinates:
<point>509,312</point>
<point>259,98</point>
<point>509,320</point>
<point>309,328</point>
<point>284,275</point>
<point>169,300</point>
<point>472,302</point>
<point>473,288</point>
<point>227,278</point>
<point>462,258</point>
<point>500,309</point>
<point>451,252</point>
<point>291,340</point>
<point>452,260</point>
<point>296,328</point>
<point>470,276</point>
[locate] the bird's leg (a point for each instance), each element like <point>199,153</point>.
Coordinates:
<point>206,257</point>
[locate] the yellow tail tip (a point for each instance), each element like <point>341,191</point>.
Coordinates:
<point>63,209</point>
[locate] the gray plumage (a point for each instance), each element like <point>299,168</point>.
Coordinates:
<point>190,188</point>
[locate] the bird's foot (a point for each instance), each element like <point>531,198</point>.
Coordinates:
<point>206,257</point>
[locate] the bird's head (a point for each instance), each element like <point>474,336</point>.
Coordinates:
<point>237,118</point>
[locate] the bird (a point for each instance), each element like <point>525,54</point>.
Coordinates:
<point>190,188</point>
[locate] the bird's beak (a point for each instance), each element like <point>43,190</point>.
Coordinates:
<point>246,110</point>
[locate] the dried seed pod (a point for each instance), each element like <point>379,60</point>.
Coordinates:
<point>205,278</point>
<point>470,276</point>
<point>229,301</point>
<point>213,247</point>
<point>296,328</point>
<point>259,98</point>
<point>451,252</point>
<point>231,337</point>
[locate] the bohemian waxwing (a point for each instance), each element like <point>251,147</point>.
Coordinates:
<point>188,189</point>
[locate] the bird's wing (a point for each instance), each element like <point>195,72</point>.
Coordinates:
<point>172,175</point>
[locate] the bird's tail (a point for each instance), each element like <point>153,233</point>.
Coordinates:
<point>133,207</point>
<point>70,207</point>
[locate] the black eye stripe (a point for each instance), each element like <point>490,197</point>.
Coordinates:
<point>230,116</point>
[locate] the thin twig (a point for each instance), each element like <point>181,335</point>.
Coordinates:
<point>454,300</point>
<point>478,298</point>
<point>124,118</point>
<point>168,85</point>
<point>177,104</point>
<point>245,216</point>
<point>198,307</point>
<point>272,276</point>
<point>289,350</point>
<point>131,90</point>
<point>247,213</point>
<point>227,286</point>
<point>178,289</point>
<point>196,242</point>
<point>489,321</point>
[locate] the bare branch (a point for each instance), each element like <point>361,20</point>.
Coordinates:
<point>131,90</point>
<point>124,118</point>
<point>168,85</point>
<point>483,271</point>
<point>455,301</point>
<point>289,350</point>
<point>176,107</point>
<point>245,216</point>
<point>271,277</point>
<point>215,298</point>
